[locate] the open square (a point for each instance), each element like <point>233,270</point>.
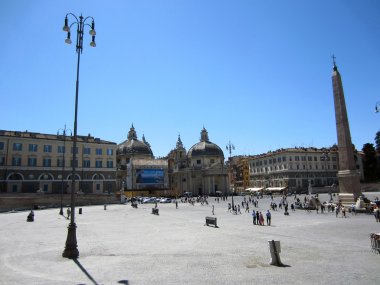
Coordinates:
<point>124,245</point>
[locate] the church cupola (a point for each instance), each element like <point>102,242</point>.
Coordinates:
<point>204,135</point>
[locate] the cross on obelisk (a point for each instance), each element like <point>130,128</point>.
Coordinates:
<point>348,176</point>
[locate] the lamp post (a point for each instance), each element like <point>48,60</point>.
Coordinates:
<point>64,130</point>
<point>229,148</point>
<point>325,156</point>
<point>71,248</point>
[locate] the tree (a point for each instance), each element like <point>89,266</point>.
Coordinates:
<point>369,163</point>
<point>377,141</point>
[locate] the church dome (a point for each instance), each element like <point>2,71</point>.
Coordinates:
<point>134,146</point>
<point>205,147</point>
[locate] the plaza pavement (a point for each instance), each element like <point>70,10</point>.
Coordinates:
<point>122,245</point>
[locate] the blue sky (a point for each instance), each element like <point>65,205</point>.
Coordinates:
<point>256,73</point>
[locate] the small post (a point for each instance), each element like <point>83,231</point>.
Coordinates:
<point>275,249</point>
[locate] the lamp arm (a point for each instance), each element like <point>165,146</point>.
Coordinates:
<point>73,16</point>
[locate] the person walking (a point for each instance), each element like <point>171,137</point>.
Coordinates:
<point>257,218</point>
<point>68,213</point>
<point>254,217</point>
<point>269,217</point>
<point>213,210</point>
<point>261,217</point>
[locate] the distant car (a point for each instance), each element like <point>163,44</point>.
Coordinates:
<point>149,200</point>
<point>165,200</point>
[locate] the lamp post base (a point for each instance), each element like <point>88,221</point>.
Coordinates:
<point>61,211</point>
<point>71,248</point>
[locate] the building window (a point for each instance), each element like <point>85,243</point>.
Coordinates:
<point>309,158</point>
<point>296,158</point>
<point>98,164</point>
<point>99,151</point>
<point>2,160</point>
<point>284,158</point>
<point>47,148</point>
<point>334,166</point>
<point>60,162</point>
<point>303,158</point>
<point>198,161</point>
<point>110,164</point>
<point>109,151</point>
<point>86,150</point>
<point>17,146</point>
<point>61,149</point>
<point>76,150</point>
<point>76,163</point>
<point>32,161</point>
<point>1,145</point>
<point>46,162</point>
<point>16,161</point>
<point>333,158</point>
<point>33,147</point>
<point>86,163</point>
<point>290,158</point>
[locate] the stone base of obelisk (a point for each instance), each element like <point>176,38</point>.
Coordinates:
<point>347,199</point>
<point>349,187</point>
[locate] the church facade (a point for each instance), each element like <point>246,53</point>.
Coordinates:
<point>201,170</point>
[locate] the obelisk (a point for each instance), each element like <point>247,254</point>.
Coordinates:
<point>348,176</point>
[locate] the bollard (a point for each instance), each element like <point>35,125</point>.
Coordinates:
<point>275,250</point>
<point>105,207</point>
<point>80,211</point>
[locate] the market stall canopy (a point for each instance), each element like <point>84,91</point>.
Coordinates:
<point>254,189</point>
<point>275,189</point>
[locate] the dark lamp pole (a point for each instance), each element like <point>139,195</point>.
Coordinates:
<point>64,130</point>
<point>71,247</point>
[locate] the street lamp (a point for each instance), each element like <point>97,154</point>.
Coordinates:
<point>64,130</point>
<point>325,157</point>
<point>71,248</point>
<point>229,148</point>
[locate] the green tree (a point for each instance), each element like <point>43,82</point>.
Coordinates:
<point>377,141</point>
<point>369,162</point>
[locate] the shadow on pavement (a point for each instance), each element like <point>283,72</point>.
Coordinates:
<point>85,272</point>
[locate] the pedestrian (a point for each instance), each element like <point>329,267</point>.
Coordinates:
<point>261,219</point>
<point>213,210</point>
<point>247,208</point>
<point>68,213</point>
<point>254,217</point>
<point>257,218</point>
<point>269,217</point>
<point>336,211</point>
<point>239,209</point>
<point>377,215</point>
<point>176,204</point>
